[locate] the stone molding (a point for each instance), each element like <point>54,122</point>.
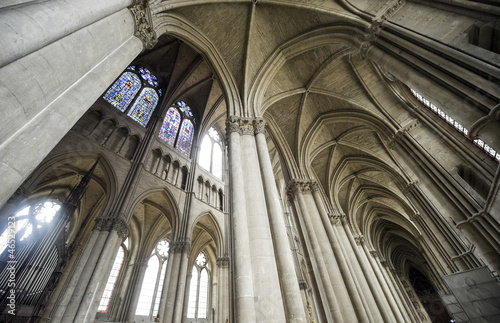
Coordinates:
<point>143,23</point>
<point>180,246</point>
<point>338,219</point>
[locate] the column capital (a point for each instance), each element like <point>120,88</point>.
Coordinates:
<point>410,187</point>
<point>223,261</point>
<point>143,23</point>
<point>109,223</point>
<point>338,218</point>
<point>303,186</point>
<point>181,246</point>
<point>259,125</point>
<point>360,239</point>
<point>243,126</point>
<point>374,253</point>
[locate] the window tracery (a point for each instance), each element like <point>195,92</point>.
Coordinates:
<point>198,289</point>
<point>112,279</point>
<point>152,285</point>
<point>177,129</point>
<point>143,96</point>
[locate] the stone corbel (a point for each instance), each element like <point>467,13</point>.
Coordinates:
<point>143,23</point>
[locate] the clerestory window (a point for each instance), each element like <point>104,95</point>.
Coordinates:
<point>478,142</point>
<point>211,153</point>
<point>178,127</point>
<point>137,90</point>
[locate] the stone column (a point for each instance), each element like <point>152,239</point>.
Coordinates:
<point>243,277</point>
<point>95,288</point>
<point>184,248</point>
<point>288,277</point>
<point>51,83</point>
<point>268,299</point>
<point>222,312</point>
<point>167,303</point>
<point>357,296</point>
<point>299,188</point>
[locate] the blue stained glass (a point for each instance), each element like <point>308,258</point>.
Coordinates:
<point>185,108</point>
<point>150,78</point>
<point>121,93</point>
<point>185,137</point>
<point>170,126</point>
<point>159,91</point>
<point>131,67</point>
<point>144,106</point>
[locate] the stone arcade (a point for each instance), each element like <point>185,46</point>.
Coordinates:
<point>249,161</point>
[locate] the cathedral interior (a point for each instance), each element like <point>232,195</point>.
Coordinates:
<point>250,161</point>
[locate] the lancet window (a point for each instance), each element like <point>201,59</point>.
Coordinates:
<point>211,153</point>
<point>113,277</point>
<point>198,289</point>
<point>178,127</point>
<point>152,285</point>
<point>137,90</point>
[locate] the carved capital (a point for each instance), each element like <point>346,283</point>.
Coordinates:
<point>143,23</point>
<point>397,138</point>
<point>180,246</point>
<point>121,227</point>
<point>302,284</point>
<point>374,253</point>
<point>298,186</point>
<point>359,239</point>
<point>363,49</point>
<point>243,126</point>
<point>223,261</point>
<point>104,223</point>
<point>338,219</point>
<point>259,125</point>
<point>410,187</point>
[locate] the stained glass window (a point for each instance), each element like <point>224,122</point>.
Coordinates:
<point>144,105</point>
<point>150,78</point>
<point>179,115</point>
<point>123,91</point>
<point>171,123</point>
<point>130,90</point>
<point>185,136</point>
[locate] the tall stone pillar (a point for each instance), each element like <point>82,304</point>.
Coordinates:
<point>56,75</point>
<point>90,301</point>
<point>222,290</point>
<point>242,271</point>
<point>288,277</point>
<point>298,189</point>
<point>134,290</point>
<point>180,297</point>
<point>358,298</point>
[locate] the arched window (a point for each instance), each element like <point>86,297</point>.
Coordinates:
<point>152,285</point>
<point>211,153</point>
<point>138,87</point>
<point>178,127</point>
<point>113,277</point>
<point>198,289</point>
<point>478,142</point>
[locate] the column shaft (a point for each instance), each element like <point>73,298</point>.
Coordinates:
<point>37,90</point>
<point>288,277</point>
<point>243,281</point>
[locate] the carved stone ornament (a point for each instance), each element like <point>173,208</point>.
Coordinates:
<point>143,23</point>
<point>296,186</point>
<point>243,126</point>
<point>259,125</point>
<point>359,239</point>
<point>121,228</point>
<point>338,218</point>
<point>223,261</point>
<point>104,223</point>
<point>180,246</point>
